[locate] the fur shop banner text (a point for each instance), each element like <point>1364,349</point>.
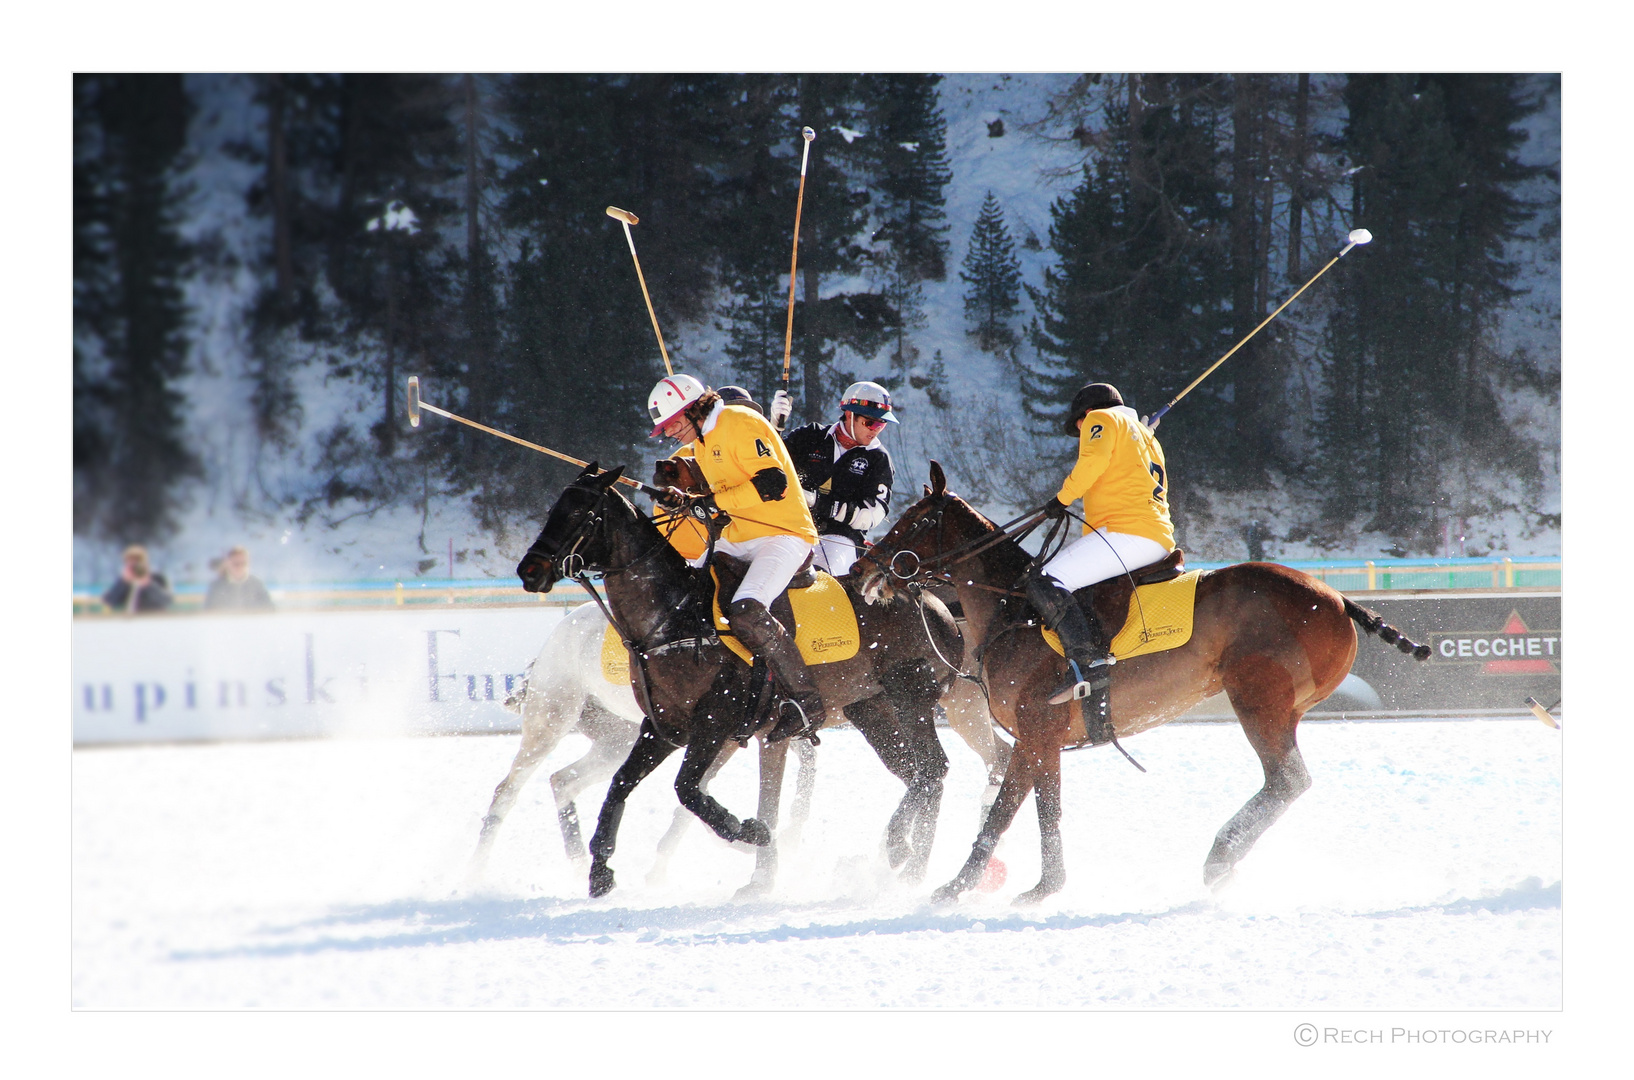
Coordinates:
<point>296,674</point>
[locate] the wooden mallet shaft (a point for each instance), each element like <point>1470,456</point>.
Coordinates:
<point>625,218</point>
<point>415,405</point>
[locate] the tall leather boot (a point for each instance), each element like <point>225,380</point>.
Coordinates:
<point>764,636</point>
<point>1082,639</point>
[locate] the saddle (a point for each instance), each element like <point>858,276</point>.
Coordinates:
<point>1161,620</point>
<point>815,609</point>
<point>1109,600</point>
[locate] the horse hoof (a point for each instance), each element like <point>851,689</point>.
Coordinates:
<point>1037,893</point>
<point>947,894</point>
<point>755,890</point>
<point>1218,875</point>
<point>601,881</point>
<point>754,831</point>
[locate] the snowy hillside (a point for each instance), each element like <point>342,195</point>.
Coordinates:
<point>227,504</point>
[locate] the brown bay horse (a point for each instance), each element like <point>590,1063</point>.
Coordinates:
<point>1275,640</point>
<point>696,694</point>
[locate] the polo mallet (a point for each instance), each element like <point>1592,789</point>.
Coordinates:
<point>794,257</point>
<point>415,405</point>
<point>628,219</point>
<point>1357,236</point>
<point>1541,713</point>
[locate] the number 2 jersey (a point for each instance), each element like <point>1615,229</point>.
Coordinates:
<point>852,488</point>
<point>1121,477</point>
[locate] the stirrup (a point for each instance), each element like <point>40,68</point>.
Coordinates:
<point>786,729</point>
<point>1082,686</point>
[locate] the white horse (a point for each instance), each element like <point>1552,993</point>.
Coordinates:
<point>565,690</point>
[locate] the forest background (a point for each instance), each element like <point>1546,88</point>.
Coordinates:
<point>261,261</point>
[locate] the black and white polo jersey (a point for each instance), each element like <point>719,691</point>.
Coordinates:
<point>848,491</point>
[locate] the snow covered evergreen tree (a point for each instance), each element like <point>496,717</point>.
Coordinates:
<point>1411,371</point>
<point>994,276</point>
<point>130,316</point>
<point>1140,295</point>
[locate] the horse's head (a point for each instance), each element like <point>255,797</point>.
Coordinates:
<point>678,472</point>
<point>573,539</point>
<point>935,524</point>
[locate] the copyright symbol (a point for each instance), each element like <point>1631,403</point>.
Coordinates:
<point>1305,1034</point>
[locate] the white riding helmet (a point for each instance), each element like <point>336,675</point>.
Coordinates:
<point>868,399</point>
<point>669,397</point>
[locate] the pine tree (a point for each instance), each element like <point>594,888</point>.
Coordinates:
<point>1408,381</point>
<point>754,240</point>
<point>130,315</point>
<point>578,355</point>
<point>994,276</point>
<point>1140,295</point>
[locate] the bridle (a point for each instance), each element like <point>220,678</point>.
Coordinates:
<point>935,568</point>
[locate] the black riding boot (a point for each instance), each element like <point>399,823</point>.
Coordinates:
<point>1082,639</point>
<point>764,636</point>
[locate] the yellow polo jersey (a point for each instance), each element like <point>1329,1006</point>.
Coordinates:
<point>1121,477</point>
<point>741,444</point>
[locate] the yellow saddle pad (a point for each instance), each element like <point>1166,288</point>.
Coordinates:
<point>825,625</point>
<point>615,658</point>
<point>826,630</point>
<point>1160,618</point>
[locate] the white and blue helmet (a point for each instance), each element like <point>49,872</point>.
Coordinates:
<point>867,399</point>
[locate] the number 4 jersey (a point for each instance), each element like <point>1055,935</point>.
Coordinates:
<point>1120,476</point>
<point>750,474</point>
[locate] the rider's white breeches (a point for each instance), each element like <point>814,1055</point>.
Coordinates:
<point>835,554</point>
<point>1099,555</point>
<point>772,560</point>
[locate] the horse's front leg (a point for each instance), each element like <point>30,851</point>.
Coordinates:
<point>681,819</point>
<point>611,737</point>
<point>1041,739</point>
<point>702,750</point>
<point>1047,793</point>
<point>774,759</point>
<point>645,756</point>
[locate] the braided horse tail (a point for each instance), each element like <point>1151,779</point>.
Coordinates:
<point>1375,624</point>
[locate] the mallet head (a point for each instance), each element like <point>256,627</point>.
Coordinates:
<point>1359,236</point>
<point>623,215</point>
<point>414,400</point>
<point>807,134</point>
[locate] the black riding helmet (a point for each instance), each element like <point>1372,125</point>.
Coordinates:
<point>737,395</point>
<point>1095,395</point>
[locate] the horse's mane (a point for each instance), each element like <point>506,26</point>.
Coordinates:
<point>669,561</point>
<point>1008,551</point>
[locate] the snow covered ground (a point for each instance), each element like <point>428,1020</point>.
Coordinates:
<point>1421,872</point>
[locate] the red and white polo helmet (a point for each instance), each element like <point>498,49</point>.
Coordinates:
<point>669,397</point>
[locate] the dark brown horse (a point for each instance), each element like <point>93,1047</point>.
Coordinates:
<point>1275,640</point>
<point>695,693</point>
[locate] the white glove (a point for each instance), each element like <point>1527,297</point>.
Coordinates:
<point>782,406</point>
<point>840,512</point>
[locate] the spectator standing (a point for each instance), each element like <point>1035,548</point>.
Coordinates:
<point>139,589</point>
<point>235,588</point>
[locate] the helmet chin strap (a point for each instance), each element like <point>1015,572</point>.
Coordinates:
<point>848,429</point>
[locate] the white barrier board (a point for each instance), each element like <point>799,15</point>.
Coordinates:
<point>284,675</point>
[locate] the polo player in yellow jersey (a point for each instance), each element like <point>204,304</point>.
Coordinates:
<point>752,479</point>
<point>1120,477</point>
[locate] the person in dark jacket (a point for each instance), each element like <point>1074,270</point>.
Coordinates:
<point>235,588</point>
<point>139,589</point>
<point>845,473</point>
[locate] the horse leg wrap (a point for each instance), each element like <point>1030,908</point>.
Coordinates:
<point>568,818</point>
